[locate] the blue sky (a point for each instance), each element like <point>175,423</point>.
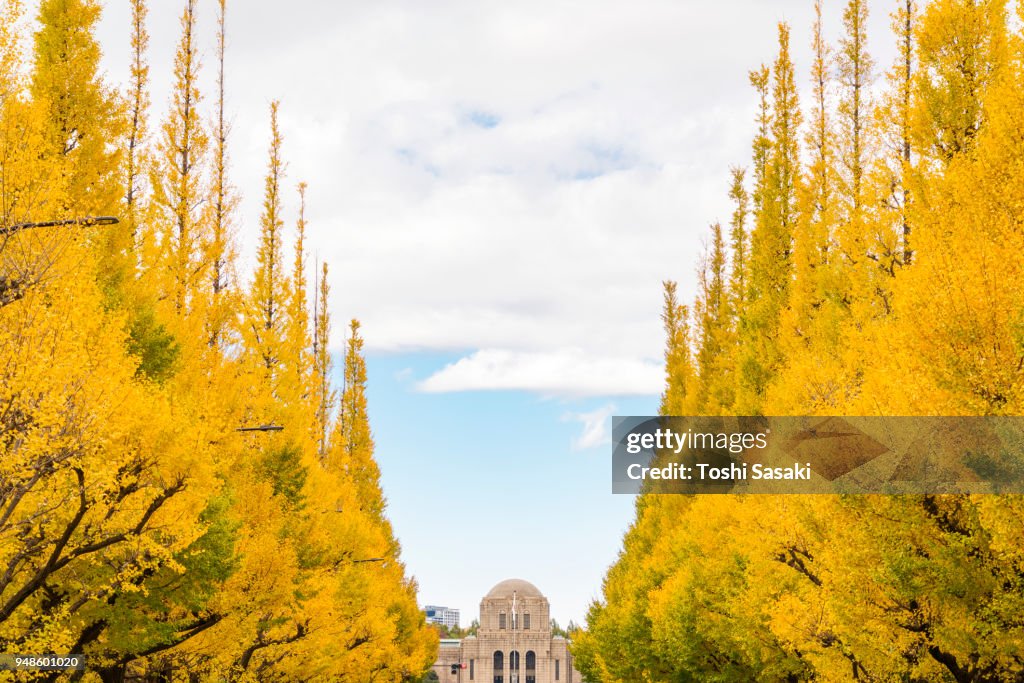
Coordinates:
<point>455,465</point>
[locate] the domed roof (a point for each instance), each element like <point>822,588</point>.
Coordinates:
<point>522,589</point>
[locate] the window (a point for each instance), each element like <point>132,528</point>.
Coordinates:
<point>557,661</point>
<point>501,621</point>
<point>499,667</point>
<point>531,667</point>
<point>471,663</point>
<point>526,621</point>
<point>513,667</point>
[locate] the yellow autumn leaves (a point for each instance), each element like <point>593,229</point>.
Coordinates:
<point>137,526</point>
<point>874,269</point>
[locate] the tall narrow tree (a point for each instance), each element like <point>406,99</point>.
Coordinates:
<point>714,390</point>
<point>739,241</point>
<point>854,69</point>
<point>858,250</point>
<point>783,161</point>
<point>820,143</point>
<point>136,160</point>
<point>298,340</point>
<point>678,364</point>
<point>266,319</point>
<point>178,176</point>
<point>759,79</point>
<point>223,201</point>
<point>324,395</point>
<point>354,428</point>
<point>902,77</point>
<point>772,237</point>
<point>812,238</point>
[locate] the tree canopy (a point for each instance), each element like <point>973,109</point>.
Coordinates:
<point>138,526</point>
<point>873,270</point>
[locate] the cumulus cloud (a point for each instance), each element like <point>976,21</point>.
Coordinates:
<point>491,175</point>
<point>564,372</point>
<point>595,432</point>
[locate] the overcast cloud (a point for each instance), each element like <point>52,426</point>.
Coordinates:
<point>508,180</point>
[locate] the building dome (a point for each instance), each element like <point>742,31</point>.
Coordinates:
<point>510,628</point>
<point>523,589</point>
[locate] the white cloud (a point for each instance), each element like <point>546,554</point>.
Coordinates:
<point>491,175</point>
<point>564,372</point>
<point>595,432</point>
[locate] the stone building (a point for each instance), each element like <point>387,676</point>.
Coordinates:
<point>514,643</point>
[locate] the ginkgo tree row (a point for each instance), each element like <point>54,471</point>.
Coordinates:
<point>872,266</point>
<point>138,526</point>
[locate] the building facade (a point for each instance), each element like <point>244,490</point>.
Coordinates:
<point>436,614</point>
<point>514,643</point>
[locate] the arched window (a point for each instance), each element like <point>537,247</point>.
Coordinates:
<point>502,621</point>
<point>513,666</point>
<point>531,667</point>
<point>526,621</point>
<point>499,667</point>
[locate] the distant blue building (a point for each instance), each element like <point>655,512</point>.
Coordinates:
<point>442,615</point>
